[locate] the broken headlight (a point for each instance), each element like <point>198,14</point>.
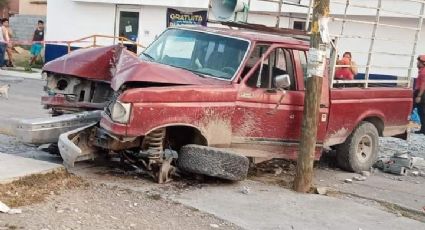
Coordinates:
<point>120,112</point>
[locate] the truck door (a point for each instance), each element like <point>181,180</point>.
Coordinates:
<point>259,120</point>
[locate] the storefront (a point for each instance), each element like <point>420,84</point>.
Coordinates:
<point>138,21</point>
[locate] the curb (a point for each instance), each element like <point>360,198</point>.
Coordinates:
<point>385,203</point>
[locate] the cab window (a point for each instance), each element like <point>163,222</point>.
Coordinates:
<point>278,62</point>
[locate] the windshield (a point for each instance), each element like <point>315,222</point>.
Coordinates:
<point>202,53</point>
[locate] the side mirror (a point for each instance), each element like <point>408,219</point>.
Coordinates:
<point>282,81</point>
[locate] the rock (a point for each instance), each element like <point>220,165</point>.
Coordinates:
<point>359,178</point>
<point>245,190</point>
<point>321,190</point>
<point>414,173</point>
<point>399,214</point>
<point>4,208</point>
<point>214,226</point>
<point>60,211</point>
<point>366,173</point>
<point>14,211</point>
<point>349,181</point>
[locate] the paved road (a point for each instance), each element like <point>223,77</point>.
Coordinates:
<point>24,98</point>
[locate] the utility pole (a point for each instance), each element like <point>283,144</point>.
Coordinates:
<point>316,63</point>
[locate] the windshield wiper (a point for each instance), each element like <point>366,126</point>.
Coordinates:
<point>198,73</point>
<point>148,56</point>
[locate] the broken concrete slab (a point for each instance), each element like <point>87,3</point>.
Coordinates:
<point>273,207</point>
<point>14,167</point>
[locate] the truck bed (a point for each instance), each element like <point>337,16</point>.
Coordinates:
<point>387,108</point>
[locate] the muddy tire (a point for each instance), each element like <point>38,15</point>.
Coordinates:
<point>360,151</point>
<point>213,162</point>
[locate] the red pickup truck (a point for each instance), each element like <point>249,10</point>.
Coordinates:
<point>206,100</point>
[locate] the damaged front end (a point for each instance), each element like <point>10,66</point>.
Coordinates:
<point>145,154</point>
<point>80,81</point>
<point>67,94</point>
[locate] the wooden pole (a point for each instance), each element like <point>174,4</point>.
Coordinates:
<point>304,173</point>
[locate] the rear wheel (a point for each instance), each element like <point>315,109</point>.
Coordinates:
<point>213,162</point>
<point>360,151</point>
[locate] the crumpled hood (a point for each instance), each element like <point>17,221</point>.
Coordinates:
<point>93,63</point>
<point>117,65</point>
<point>131,69</point>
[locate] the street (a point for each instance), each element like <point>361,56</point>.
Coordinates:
<point>105,195</point>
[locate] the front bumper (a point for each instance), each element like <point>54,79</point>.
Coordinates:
<point>47,130</point>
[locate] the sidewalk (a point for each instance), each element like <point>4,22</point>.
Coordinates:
<point>20,72</point>
<point>13,167</point>
<point>273,207</point>
<point>405,191</point>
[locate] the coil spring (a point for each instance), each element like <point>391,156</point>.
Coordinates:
<point>154,142</point>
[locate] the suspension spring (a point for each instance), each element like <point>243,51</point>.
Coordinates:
<point>154,142</point>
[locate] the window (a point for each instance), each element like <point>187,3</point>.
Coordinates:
<point>299,25</point>
<point>202,53</point>
<point>279,62</point>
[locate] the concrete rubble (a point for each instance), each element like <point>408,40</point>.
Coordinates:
<point>400,164</point>
<point>5,209</point>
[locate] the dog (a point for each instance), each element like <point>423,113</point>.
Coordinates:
<point>4,91</point>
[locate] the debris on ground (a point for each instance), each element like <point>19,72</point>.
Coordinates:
<point>399,164</point>
<point>35,188</point>
<point>5,209</point>
<point>277,172</point>
<point>322,190</point>
<point>414,173</point>
<point>245,190</point>
<point>359,178</point>
<point>349,181</point>
<point>366,173</point>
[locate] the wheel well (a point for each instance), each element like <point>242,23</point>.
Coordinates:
<point>179,136</point>
<point>378,123</point>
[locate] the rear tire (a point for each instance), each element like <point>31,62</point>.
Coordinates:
<point>360,151</point>
<point>213,162</point>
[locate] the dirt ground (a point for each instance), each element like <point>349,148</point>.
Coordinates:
<point>95,205</point>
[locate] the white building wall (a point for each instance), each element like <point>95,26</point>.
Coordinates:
<point>73,19</point>
<point>68,20</point>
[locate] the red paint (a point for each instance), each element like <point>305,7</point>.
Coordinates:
<point>131,69</point>
<point>244,115</point>
<point>93,63</point>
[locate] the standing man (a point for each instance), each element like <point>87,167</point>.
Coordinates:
<point>37,40</point>
<point>4,40</point>
<point>419,93</point>
<point>9,48</point>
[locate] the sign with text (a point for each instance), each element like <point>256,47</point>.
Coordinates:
<point>177,18</point>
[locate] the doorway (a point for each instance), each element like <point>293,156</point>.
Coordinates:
<point>127,25</point>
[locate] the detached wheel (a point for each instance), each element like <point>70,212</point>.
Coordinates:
<point>360,151</point>
<point>213,162</point>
